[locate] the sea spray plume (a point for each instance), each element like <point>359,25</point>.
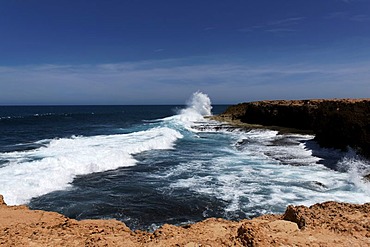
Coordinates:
<point>200,103</point>
<point>198,106</point>
<point>357,168</point>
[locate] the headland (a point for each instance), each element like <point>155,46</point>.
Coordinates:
<point>336,123</point>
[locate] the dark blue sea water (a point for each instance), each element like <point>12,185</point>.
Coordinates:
<point>150,165</point>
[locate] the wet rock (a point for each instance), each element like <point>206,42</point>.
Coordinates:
<point>367,178</point>
<point>319,184</point>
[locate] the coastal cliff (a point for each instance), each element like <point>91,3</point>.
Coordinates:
<point>337,123</point>
<point>324,224</point>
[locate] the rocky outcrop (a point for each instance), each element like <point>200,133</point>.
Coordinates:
<point>337,123</point>
<point>325,224</point>
<point>2,203</point>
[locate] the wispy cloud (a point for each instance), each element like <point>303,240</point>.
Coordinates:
<point>250,29</point>
<point>276,26</point>
<point>348,17</point>
<point>337,15</point>
<point>209,28</point>
<point>287,21</point>
<point>159,50</point>
<point>280,30</point>
<point>349,1</point>
<point>171,81</point>
<point>360,18</point>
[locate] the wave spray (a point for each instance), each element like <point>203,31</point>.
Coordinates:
<point>198,106</point>
<point>200,103</point>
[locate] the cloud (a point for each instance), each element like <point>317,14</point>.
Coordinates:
<point>287,22</point>
<point>250,29</point>
<point>351,1</point>
<point>209,28</point>
<point>360,18</point>
<point>173,80</point>
<point>276,26</point>
<point>348,17</point>
<point>337,15</point>
<point>280,30</point>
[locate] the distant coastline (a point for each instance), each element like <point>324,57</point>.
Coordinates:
<point>336,123</point>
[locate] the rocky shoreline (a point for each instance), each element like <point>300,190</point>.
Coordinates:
<point>323,224</point>
<point>336,123</point>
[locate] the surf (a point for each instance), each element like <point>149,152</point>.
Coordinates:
<point>198,106</point>
<point>54,165</point>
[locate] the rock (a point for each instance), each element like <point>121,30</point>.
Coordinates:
<point>323,224</point>
<point>2,203</point>
<point>336,123</point>
<point>367,177</point>
<point>293,214</point>
<point>283,226</point>
<point>192,244</point>
<point>251,234</point>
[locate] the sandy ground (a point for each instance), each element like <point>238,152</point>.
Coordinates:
<point>326,224</point>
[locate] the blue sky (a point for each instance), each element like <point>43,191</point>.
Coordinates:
<point>160,52</point>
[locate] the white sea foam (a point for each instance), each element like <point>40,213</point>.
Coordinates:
<point>259,176</point>
<point>53,167</point>
<point>357,168</point>
<point>258,171</point>
<point>199,103</point>
<point>198,106</point>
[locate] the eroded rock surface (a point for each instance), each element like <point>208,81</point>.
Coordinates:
<point>336,123</point>
<point>325,224</point>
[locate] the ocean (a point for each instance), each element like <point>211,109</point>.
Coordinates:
<point>150,165</point>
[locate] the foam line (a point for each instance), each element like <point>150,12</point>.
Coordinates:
<point>53,167</point>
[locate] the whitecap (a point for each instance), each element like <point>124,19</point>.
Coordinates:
<point>53,167</point>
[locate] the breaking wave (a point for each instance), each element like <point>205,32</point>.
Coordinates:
<point>53,167</point>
